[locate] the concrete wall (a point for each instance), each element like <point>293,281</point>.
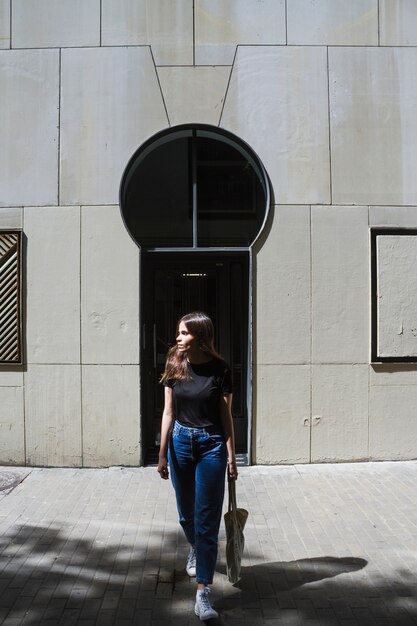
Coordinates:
<point>325,94</point>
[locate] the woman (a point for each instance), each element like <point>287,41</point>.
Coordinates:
<point>197,438</point>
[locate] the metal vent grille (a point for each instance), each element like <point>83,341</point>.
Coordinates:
<point>10,297</point>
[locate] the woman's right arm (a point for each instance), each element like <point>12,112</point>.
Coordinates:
<point>166,427</point>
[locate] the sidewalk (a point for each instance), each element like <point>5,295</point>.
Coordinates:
<point>325,544</point>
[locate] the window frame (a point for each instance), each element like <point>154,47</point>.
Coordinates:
<point>374,234</point>
<point>212,131</point>
<point>18,287</point>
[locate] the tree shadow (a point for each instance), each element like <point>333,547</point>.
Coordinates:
<point>48,576</point>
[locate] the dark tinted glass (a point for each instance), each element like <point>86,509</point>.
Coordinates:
<point>156,198</point>
<point>231,200</point>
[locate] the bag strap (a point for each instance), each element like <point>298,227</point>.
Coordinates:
<point>232,495</point>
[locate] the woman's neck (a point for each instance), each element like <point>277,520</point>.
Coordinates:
<point>199,358</point>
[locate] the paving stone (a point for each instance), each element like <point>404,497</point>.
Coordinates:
<point>331,544</point>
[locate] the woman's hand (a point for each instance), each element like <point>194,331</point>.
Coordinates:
<point>163,468</point>
<point>232,469</point>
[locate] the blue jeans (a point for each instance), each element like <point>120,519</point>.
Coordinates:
<point>197,460</point>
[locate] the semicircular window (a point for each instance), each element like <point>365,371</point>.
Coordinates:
<point>194,187</point>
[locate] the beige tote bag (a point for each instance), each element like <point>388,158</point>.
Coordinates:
<point>234,520</point>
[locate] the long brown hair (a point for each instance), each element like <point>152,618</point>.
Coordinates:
<point>200,325</point>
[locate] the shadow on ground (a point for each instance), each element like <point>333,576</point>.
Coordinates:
<point>49,577</point>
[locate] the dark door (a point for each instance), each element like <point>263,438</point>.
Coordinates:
<point>174,284</point>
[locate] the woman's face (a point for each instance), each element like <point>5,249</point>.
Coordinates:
<point>186,342</point>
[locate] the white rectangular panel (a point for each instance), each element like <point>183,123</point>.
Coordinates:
<point>396,295</point>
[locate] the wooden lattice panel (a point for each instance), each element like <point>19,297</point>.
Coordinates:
<point>10,297</point>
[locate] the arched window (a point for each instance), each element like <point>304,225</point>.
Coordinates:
<point>194,187</point>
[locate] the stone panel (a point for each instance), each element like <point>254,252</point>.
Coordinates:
<point>333,22</point>
<point>340,284</point>
<point>111,103</point>
<point>165,25</point>
<point>220,26</point>
<point>53,284</point>
<point>397,295</point>
<point>55,23</point>
<point>29,127</point>
<point>398,22</point>
<point>373,125</point>
<point>10,217</point>
<point>278,102</point>
<point>12,436</point>
<point>282,414</point>
<point>110,288</point>
<point>393,427</point>
<point>111,408</point>
<point>4,23</point>
<point>11,376</point>
<point>390,374</point>
<point>283,306</point>
<point>208,87</point>
<point>53,415</point>
<point>393,216</point>
<point>339,413</point>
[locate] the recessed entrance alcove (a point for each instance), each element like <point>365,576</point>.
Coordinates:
<point>195,198</point>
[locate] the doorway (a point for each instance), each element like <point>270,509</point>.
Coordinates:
<point>176,283</point>
<point>195,198</point>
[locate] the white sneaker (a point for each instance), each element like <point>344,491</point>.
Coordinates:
<point>190,567</point>
<point>203,608</point>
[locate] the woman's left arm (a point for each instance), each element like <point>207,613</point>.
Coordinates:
<point>227,423</point>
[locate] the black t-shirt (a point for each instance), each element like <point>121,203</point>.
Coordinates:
<point>197,399</point>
